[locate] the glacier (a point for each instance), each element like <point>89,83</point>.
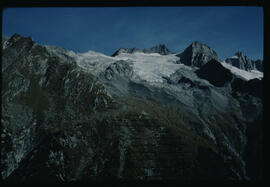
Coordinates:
<point>150,67</point>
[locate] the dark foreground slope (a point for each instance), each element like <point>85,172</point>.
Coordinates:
<point>60,124</point>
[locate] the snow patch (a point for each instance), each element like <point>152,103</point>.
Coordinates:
<point>247,75</point>
<point>234,57</point>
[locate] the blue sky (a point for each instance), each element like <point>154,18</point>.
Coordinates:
<point>106,29</point>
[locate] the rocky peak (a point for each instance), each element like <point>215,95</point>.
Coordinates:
<point>18,40</point>
<point>16,37</point>
<point>126,50</point>
<point>241,61</point>
<point>239,54</point>
<point>197,54</point>
<point>160,48</point>
<point>198,46</point>
<point>60,123</point>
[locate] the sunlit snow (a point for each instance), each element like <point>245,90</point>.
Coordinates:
<point>235,57</point>
<point>92,61</point>
<point>247,75</point>
<point>152,67</point>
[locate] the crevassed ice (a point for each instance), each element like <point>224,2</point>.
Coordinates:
<point>148,66</point>
<point>151,67</point>
<point>92,61</point>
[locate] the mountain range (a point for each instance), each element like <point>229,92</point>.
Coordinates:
<point>146,114</point>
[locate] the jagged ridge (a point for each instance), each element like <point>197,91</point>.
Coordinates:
<point>243,62</point>
<point>60,118</point>
<point>161,49</point>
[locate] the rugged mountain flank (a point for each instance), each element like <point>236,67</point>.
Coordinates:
<point>215,73</point>
<point>81,117</point>
<point>39,94</point>
<point>259,65</point>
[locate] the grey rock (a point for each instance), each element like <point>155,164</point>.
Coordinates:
<point>126,50</point>
<point>215,73</point>
<point>36,97</point>
<point>259,65</point>
<point>241,61</point>
<point>161,49</point>
<point>119,68</point>
<point>197,54</point>
<point>62,123</point>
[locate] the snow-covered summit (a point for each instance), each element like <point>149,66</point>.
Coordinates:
<point>152,65</point>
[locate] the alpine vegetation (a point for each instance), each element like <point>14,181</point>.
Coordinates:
<point>142,114</point>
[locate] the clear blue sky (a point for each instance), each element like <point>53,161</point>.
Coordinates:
<point>106,29</point>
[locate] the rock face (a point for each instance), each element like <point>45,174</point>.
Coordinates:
<point>197,54</point>
<point>259,65</point>
<point>126,50</point>
<point>243,62</point>
<point>253,87</point>
<point>60,122</point>
<point>215,73</point>
<point>39,97</point>
<point>161,49</point>
<point>118,68</point>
